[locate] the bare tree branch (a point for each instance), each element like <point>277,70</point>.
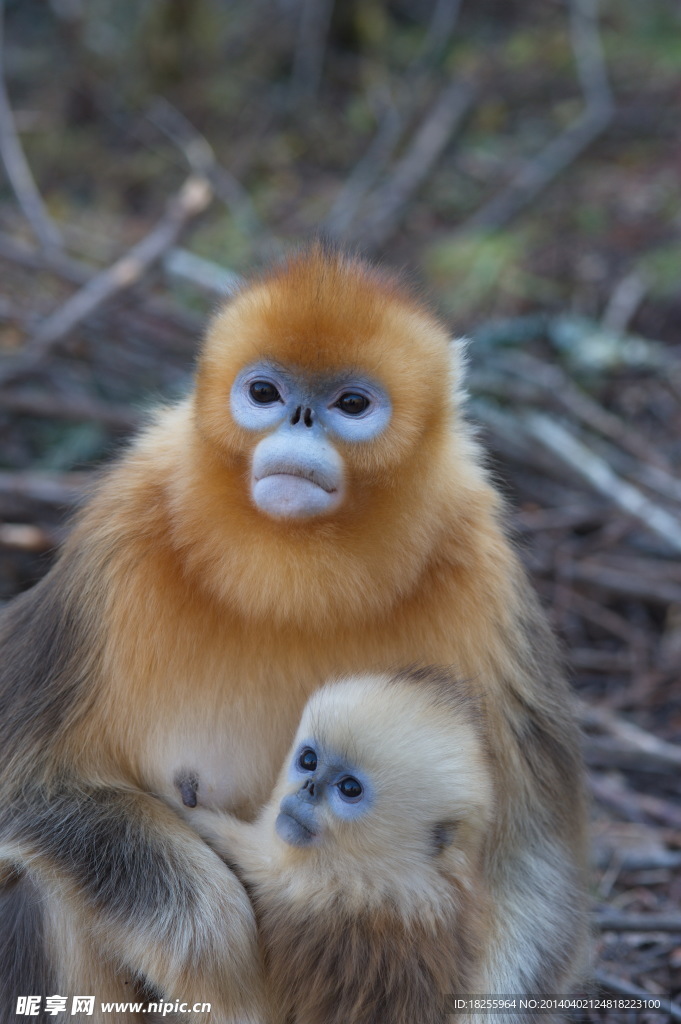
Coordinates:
<point>201,158</point>
<point>539,172</point>
<point>78,272</point>
<point>75,408</point>
<point>49,488</point>
<point>205,274</point>
<point>632,805</point>
<point>16,165</point>
<point>75,271</point>
<point>308,59</point>
<point>365,173</point>
<point>558,440</point>
<point>625,299</point>
<point>627,988</point>
<point>192,199</point>
<point>27,537</point>
<point>614,920</point>
<point>559,387</point>
<point>624,584</point>
<point>636,739</point>
<point>387,204</point>
<point>439,32</point>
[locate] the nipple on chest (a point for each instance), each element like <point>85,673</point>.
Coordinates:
<point>187,783</point>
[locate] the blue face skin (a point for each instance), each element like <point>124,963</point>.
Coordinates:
<point>297,471</point>
<point>324,781</point>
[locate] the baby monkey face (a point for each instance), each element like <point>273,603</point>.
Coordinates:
<point>383,769</point>
<point>325,790</point>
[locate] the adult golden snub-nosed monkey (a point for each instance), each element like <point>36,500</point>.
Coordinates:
<point>315,508</point>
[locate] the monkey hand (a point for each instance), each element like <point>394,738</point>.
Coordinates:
<point>223,832</point>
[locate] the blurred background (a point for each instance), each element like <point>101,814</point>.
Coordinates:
<point>521,160</point>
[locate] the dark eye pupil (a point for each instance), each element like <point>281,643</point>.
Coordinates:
<point>263,392</point>
<point>350,788</point>
<point>308,760</point>
<point>352,403</point>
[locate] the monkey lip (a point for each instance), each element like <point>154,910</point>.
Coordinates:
<point>292,495</point>
<point>293,831</point>
<point>281,475</point>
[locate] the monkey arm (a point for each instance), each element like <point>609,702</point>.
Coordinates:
<point>160,903</point>
<point>237,842</point>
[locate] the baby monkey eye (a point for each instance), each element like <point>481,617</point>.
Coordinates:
<point>263,392</point>
<point>352,403</point>
<point>350,788</point>
<point>307,760</point>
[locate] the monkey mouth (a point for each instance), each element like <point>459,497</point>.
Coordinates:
<point>298,482</point>
<point>293,831</point>
<point>282,475</point>
<point>287,493</point>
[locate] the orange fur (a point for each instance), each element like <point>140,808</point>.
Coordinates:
<point>208,624</point>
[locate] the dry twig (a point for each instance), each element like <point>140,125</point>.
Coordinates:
<point>541,519</point>
<point>624,584</point>
<point>557,386</point>
<point>632,805</point>
<point>635,738</point>
<point>308,59</point>
<point>49,488</point>
<point>627,988</point>
<point>558,440</point>
<point>616,921</point>
<point>27,537</point>
<point>440,28</point>
<point>539,172</point>
<point>18,171</point>
<point>205,274</point>
<point>59,263</point>
<point>427,145</point>
<point>191,200</point>
<point>201,158</point>
<point>77,272</point>
<point>625,299</point>
<point>73,407</point>
<point>366,172</point>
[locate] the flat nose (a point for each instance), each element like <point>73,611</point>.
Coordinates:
<point>303,414</point>
<point>308,791</point>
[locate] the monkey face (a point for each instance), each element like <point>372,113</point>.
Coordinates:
<point>318,382</point>
<point>328,791</point>
<point>384,770</point>
<point>297,470</point>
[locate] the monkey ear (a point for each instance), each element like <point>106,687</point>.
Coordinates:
<point>458,356</point>
<point>442,835</point>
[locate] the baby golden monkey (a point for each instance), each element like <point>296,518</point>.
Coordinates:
<point>315,508</point>
<point>365,866</point>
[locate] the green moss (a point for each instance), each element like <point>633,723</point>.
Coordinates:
<point>478,272</point>
<point>662,269</point>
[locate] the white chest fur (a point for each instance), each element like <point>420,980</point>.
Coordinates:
<point>226,757</point>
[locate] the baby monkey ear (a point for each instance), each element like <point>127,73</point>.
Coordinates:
<point>442,835</point>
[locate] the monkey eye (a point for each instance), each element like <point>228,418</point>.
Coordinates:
<point>264,392</point>
<point>350,788</point>
<point>307,760</point>
<point>352,403</point>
